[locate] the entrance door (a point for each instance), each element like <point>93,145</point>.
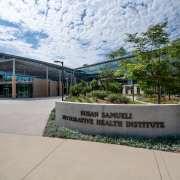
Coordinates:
<point>6,92</point>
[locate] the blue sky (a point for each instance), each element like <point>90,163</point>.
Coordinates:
<point>79,31</point>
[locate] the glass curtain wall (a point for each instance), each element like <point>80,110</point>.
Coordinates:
<point>6,91</point>
<point>23,90</point>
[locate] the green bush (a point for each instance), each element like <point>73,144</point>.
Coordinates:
<point>88,100</point>
<point>123,99</point>
<point>102,94</point>
<point>79,99</point>
<point>74,90</point>
<point>115,87</point>
<point>94,84</point>
<point>88,95</point>
<point>95,99</point>
<point>52,115</point>
<point>99,94</point>
<point>82,96</point>
<point>94,93</point>
<point>141,98</point>
<point>71,99</point>
<point>113,97</point>
<point>102,86</point>
<point>86,89</point>
<point>80,88</point>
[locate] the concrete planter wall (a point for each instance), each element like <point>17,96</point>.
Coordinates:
<point>133,120</point>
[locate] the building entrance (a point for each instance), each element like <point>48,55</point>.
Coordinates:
<point>6,92</point>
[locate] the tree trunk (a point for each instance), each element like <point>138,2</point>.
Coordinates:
<point>169,96</point>
<point>159,94</point>
<point>165,94</point>
<point>154,94</point>
<point>146,91</point>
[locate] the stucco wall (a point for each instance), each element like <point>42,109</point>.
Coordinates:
<point>135,120</point>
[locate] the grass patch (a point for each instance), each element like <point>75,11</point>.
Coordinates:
<point>161,143</point>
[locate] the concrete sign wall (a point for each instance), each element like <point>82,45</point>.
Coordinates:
<point>134,120</point>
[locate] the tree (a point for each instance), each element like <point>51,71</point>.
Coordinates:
<point>80,88</point>
<point>115,87</point>
<point>120,52</point>
<point>106,74</point>
<point>94,84</point>
<point>151,63</point>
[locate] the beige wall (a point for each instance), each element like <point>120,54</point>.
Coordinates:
<point>53,88</point>
<point>13,87</point>
<point>60,88</point>
<point>39,88</point>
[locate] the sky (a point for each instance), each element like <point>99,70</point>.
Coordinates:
<point>79,32</point>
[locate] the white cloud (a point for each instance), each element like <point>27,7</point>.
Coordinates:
<point>102,29</point>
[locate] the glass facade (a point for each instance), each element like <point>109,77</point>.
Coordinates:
<point>22,91</point>
<point>89,73</point>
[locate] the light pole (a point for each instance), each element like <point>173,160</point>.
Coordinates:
<point>61,77</point>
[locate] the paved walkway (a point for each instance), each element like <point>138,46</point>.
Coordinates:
<point>26,116</point>
<point>24,154</point>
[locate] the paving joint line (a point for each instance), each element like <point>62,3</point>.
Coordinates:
<point>157,165</point>
<point>165,165</point>
<point>43,160</point>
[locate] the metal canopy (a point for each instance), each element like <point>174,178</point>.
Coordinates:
<point>33,68</point>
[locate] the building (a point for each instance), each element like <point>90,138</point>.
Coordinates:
<point>89,72</point>
<point>24,77</point>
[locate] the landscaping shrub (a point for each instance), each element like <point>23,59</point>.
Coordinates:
<point>95,99</point>
<point>80,88</point>
<point>99,94</point>
<point>82,96</point>
<point>74,90</point>
<point>123,99</point>
<point>88,100</point>
<point>141,98</point>
<point>102,86</point>
<point>113,97</point>
<point>71,99</point>
<point>86,89</point>
<point>94,93</point>
<point>94,84</point>
<point>79,99</point>
<point>52,114</point>
<point>88,95</point>
<point>102,94</point>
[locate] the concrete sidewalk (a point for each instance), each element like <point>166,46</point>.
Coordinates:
<point>26,116</point>
<point>42,158</point>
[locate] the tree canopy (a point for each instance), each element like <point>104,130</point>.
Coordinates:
<point>156,60</point>
<point>106,75</point>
